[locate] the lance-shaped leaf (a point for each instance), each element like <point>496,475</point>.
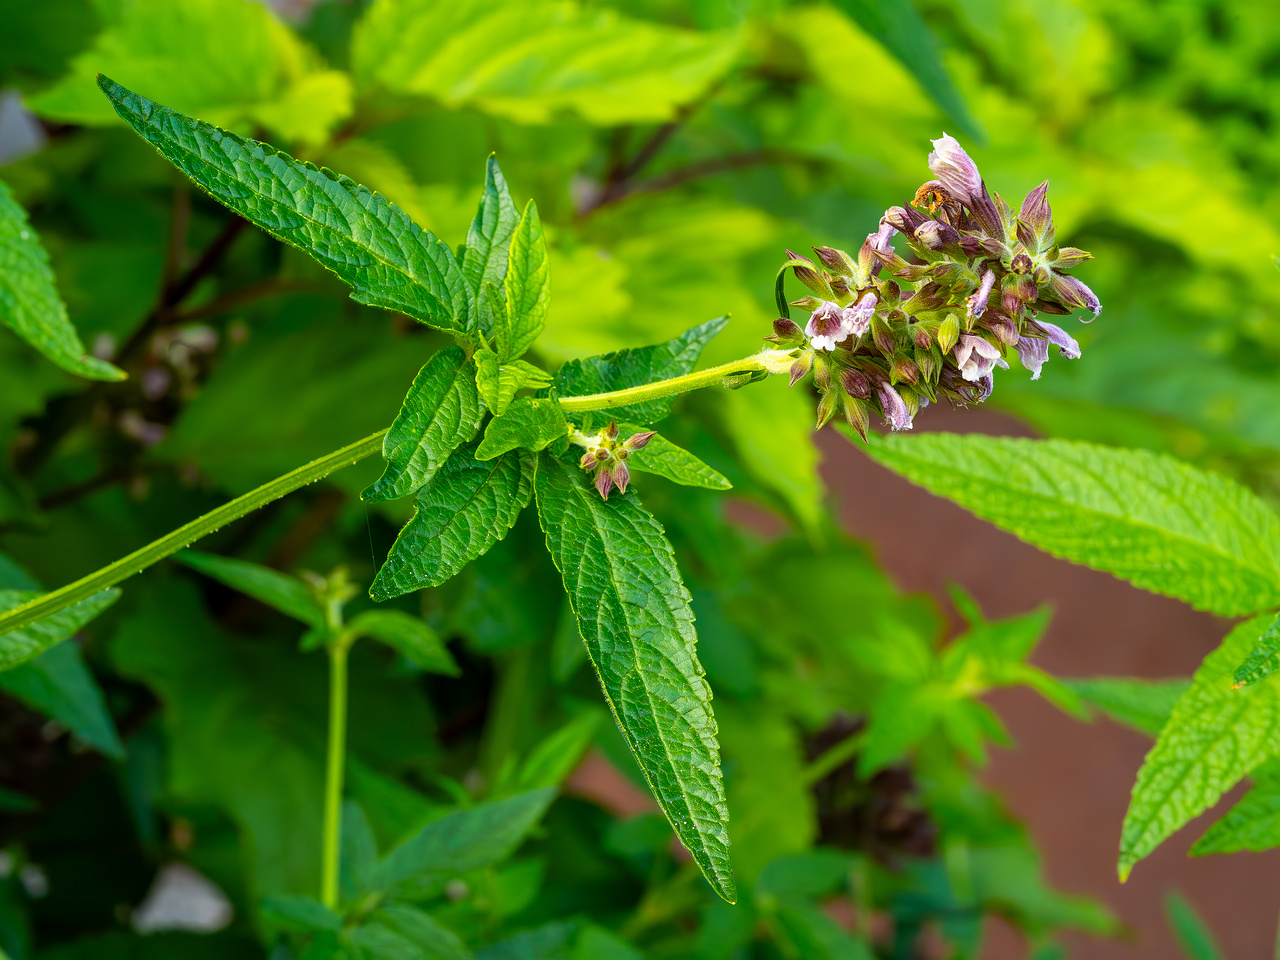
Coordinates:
<point>1144,705</point>
<point>529,425</point>
<point>467,507</point>
<point>29,301</point>
<point>441,410</point>
<point>1145,517</point>
<point>371,244</point>
<point>633,368</point>
<point>58,684</point>
<point>677,464</point>
<point>287,594</point>
<point>407,635</point>
<point>27,643</point>
<point>485,259</point>
<point>1263,659</point>
<point>1214,737</point>
<point>299,914</point>
<point>634,615</point>
<point>466,839</point>
<point>1253,823</point>
<point>400,931</point>
<point>499,382</point>
<point>1191,932</point>
<point>528,287</point>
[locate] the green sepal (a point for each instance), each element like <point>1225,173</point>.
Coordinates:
<point>635,618</point>
<point>467,507</point>
<point>371,244</point>
<point>441,410</point>
<point>529,424</point>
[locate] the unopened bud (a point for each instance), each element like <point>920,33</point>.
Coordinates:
<point>921,333</point>
<point>822,376</point>
<point>826,409</point>
<point>1069,257</point>
<point>948,332</point>
<point>808,303</point>
<point>786,332</point>
<point>1021,264</point>
<point>837,261</point>
<point>882,335</point>
<point>929,363</point>
<point>903,369</point>
<point>807,274</point>
<point>857,413</point>
<point>637,441</point>
<point>803,364</point>
<point>855,383</point>
<point>936,235</point>
<point>611,431</point>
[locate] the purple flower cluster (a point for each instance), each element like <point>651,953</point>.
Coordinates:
<point>888,335</point>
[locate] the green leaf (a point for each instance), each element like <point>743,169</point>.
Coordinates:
<point>528,287</point>
<point>407,635</point>
<point>898,25</point>
<point>29,301</point>
<point>26,643</point>
<point>677,464</point>
<point>285,593</point>
<point>1145,517</point>
<point>499,382</point>
<point>388,260</point>
<point>555,757</point>
<point>230,62</point>
<point>468,506</point>
<point>441,410</point>
<point>396,926</point>
<point>530,61</point>
<point>1189,930</point>
<point>359,853</point>
<point>1144,705</point>
<point>299,914</point>
<point>1263,659</point>
<point>58,684</point>
<point>528,424</point>
<point>634,616</point>
<point>485,259</point>
<point>1214,737</point>
<point>635,367</point>
<point>1253,823</point>
<point>466,839</point>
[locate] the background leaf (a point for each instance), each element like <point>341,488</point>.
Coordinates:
<point>285,593</point>
<point>1148,519</point>
<point>59,685</point>
<point>407,635</point>
<point>26,643</point>
<point>1189,930</point>
<point>1144,705</point>
<point>634,615</point>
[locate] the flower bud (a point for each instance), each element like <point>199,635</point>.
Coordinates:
<point>921,333</point>
<point>948,332</point>
<point>882,335</point>
<point>978,302</point>
<point>826,409</point>
<point>855,383</point>
<point>858,415</point>
<point>808,303</point>
<point>786,332</point>
<point>903,370</point>
<point>637,441</point>
<point>936,235</point>
<point>1021,264</point>
<point>903,219</point>
<point>1037,215</point>
<point>837,261</point>
<point>1071,293</point>
<point>805,272</point>
<point>894,408</point>
<point>803,364</point>
<point>1069,257</point>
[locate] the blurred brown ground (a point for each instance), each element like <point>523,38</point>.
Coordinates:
<point>1068,780</point>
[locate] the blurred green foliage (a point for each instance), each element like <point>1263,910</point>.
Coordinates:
<point>673,149</point>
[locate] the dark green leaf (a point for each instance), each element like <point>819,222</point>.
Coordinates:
<point>287,594</point>
<point>498,382</point>
<point>359,852</point>
<point>466,839</point>
<point>1263,659</point>
<point>528,424</point>
<point>634,616</point>
<point>468,506</point>
<point>555,757</point>
<point>547,942</point>
<point>485,259</point>
<point>299,914</point>
<point>407,635</point>
<point>388,260</point>
<point>635,367</point>
<point>898,25</point>
<point>1148,518</point>
<point>677,464</point>
<point>1144,705</point>
<point>29,301</point>
<point>1214,737</point>
<point>441,410</point>
<point>528,286</point>
<point>432,940</point>
<point>58,684</point>
<point>26,643</point>
<point>1189,930</point>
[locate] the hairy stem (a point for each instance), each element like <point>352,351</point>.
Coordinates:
<point>174,541</point>
<point>769,361</point>
<point>334,764</point>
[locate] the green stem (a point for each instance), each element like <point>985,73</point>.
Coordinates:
<point>836,755</point>
<point>334,765</point>
<point>187,534</point>
<point>772,361</point>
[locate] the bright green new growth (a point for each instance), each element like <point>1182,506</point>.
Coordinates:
<point>371,244</point>
<point>466,508</point>
<point>528,287</point>
<point>485,259</point>
<point>1263,659</point>
<point>499,382</point>
<point>29,301</point>
<point>441,410</point>
<point>27,642</point>
<point>1214,737</point>
<point>529,423</point>
<point>1253,823</point>
<point>633,613</point>
<point>1145,517</point>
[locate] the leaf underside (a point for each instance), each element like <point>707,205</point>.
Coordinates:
<point>1145,517</point>
<point>371,244</point>
<point>634,615</point>
<point>467,507</point>
<point>441,410</point>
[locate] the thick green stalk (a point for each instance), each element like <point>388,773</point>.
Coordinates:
<point>770,361</point>
<point>187,534</point>
<point>334,766</point>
